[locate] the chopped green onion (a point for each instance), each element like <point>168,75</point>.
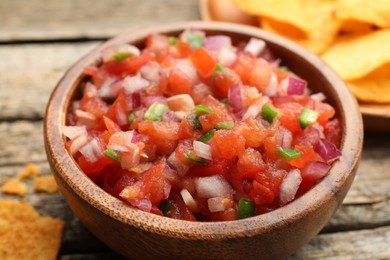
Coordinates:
<point>191,156</point>
<point>121,56</point>
<point>173,41</point>
<point>224,125</point>
<point>269,112</point>
<point>165,206</point>
<point>289,153</point>
<point>131,117</point>
<point>207,136</point>
<point>203,110</point>
<point>113,155</point>
<point>195,40</point>
<point>224,101</point>
<point>283,68</point>
<point>155,111</point>
<point>194,121</point>
<point>218,68</point>
<point>307,117</point>
<point>246,208</point>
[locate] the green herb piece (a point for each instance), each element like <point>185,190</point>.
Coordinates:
<point>283,68</point>
<point>225,101</point>
<point>218,68</point>
<point>194,39</point>
<point>203,110</point>
<point>131,117</point>
<point>194,121</point>
<point>165,206</point>
<point>122,56</point>
<point>246,208</point>
<point>191,156</point>
<point>207,136</point>
<point>224,125</point>
<point>173,41</point>
<point>269,112</point>
<point>155,111</point>
<point>307,117</point>
<point>113,155</point>
<point>289,153</point>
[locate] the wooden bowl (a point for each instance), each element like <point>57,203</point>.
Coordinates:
<point>137,234</point>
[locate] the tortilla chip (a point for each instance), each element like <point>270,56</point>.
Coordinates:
<point>371,12</point>
<point>355,27</point>
<point>15,187</point>
<point>46,184</point>
<point>24,234</point>
<point>355,57</point>
<point>30,171</point>
<point>375,87</point>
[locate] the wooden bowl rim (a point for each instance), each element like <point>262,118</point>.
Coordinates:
<point>319,195</point>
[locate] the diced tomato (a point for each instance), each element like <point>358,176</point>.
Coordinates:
<point>155,184</point>
<point>308,154</point>
<point>184,49</point>
<point>253,132</point>
<point>289,115</point>
<point>250,163</point>
<point>127,66</point>
<point>209,120</point>
<point>203,62</point>
<point>179,209</point>
<point>94,105</point>
<point>226,215</point>
<point>227,144</point>
<point>332,131</point>
<point>178,83</point>
<point>219,108</point>
<point>222,81</point>
<point>111,126</point>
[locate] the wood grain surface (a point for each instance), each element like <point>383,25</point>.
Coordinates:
<point>51,35</point>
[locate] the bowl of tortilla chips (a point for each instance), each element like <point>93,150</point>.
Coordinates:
<point>352,36</point>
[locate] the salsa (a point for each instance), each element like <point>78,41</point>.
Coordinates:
<point>196,128</point>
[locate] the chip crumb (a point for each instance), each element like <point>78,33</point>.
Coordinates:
<point>45,184</point>
<point>30,171</point>
<point>27,235</point>
<point>14,186</point>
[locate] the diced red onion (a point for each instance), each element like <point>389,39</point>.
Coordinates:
<point>133,84</point>
<point>226,57</point>
<point>182,102</point>
<point>151,71</point>
<point>170,116</point>
<point>255,109</point>
<point>177,165</point>
<point>327,150</point>
<point>212,186</point>
<point>85,118</point>
<point>218,204</point>
<point>189,200</point>
<point>90,89</point>
<point>187,68</point>
<point>235,98</point>
<point>275,62</point>
<point>296,86</point>
<point>135,100</point>
<point>77,143</point>
<point>92,151</point>
<point>318,96</point>
<point>286,137</point>
<point>289,186</point>
<point>255,46</point>
<point>109,89</point>
<point>271,89</point>
<point>313,171</point>
<point>202,150</point>
<point>74,131</point>
<point>121,115</point>
<point>130,158</point>
<point>216,42</point>
<point>121,141</point>
<point>149,100</point>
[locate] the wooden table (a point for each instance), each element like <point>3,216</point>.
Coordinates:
<point>40,39</point>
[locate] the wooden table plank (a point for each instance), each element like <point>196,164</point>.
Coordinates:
<point>24,20</point>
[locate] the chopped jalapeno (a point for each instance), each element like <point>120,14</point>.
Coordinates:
<point>165,206</point>
<point>155,111</point>
<point>224,125</point>
<point>131,117</point>
<point>122,56</point>
<point>194,39</point>
<point>289,153</point>
<point>113,155</point>
<point>283,68</point>
<point>191,156</point>
<point>203,110</point>
<point>307,117</point>
<point>207,136</point>
<point>246,208</point>
<point>173,41</point>
<point>194,121</point>
<point>269,112</point>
